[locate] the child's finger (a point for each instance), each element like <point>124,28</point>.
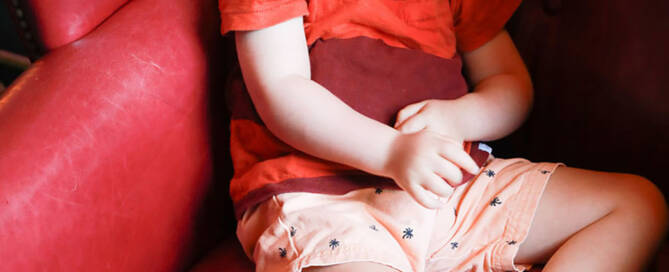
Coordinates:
<point>427,200</point>
<point>408,111</point>
<point>414,124</point>
<point>461,158</point>
<point>449,172</point>
<point>436,185</point>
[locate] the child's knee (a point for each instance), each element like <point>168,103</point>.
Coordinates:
<point>645,201</point>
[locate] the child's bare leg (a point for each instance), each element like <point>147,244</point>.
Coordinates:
<point>595,221</point>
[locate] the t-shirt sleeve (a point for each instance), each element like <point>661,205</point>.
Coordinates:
<point>478,21</point>
<point>258,14</point>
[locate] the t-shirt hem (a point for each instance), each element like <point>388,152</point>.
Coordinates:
<point>336,184</point>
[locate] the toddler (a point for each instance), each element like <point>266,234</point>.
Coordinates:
<point>356,147</point>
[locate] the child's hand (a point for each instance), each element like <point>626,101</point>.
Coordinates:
<point>429,114</point>
<point>421,161</point>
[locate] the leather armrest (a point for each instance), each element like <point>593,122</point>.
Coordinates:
<point>49,24</point>
<point>104,145</point>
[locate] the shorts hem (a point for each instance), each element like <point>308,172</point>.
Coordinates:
<point>521,220</point>
<point>349,254</point>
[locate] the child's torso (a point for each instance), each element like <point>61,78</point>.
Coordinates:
<point>374,79</point>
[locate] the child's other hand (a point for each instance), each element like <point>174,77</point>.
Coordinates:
<point>431,114</point>
<point>426,164</point>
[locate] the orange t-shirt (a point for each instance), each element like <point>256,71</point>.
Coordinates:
<point>436,27</point>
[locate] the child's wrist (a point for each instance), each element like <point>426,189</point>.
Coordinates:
<point>375,154</point>
<point>460,114</point>
<point>388,167</point>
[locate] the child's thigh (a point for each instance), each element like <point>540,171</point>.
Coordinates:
<point>575,198</point>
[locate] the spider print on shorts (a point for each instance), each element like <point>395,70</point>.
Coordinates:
<point>378,191</point>
<point>407,233</point>
<point>373,227</point>
<point>495,202</point>
<point>512,242</point>
<point>292,231</point>
<point>282,252</point>
<point>489,173</point>
<point>544,171</point>
<point>454,245</point>
<point>333,243</point>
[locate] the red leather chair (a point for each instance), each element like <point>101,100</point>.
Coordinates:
<point>113,146</point>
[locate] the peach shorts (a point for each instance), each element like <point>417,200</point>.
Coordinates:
<point>478,229</point>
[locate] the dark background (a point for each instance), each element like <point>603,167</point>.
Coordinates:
<point>9,41</point>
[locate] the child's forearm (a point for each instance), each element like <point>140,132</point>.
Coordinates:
<point>276,69</point>
<point>502,96</point>
<point>500,102</point>
<point>306,116</point>
<point>498,105</point>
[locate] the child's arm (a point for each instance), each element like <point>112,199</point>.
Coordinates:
<point>300,112</point>
<point>499,104</point>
